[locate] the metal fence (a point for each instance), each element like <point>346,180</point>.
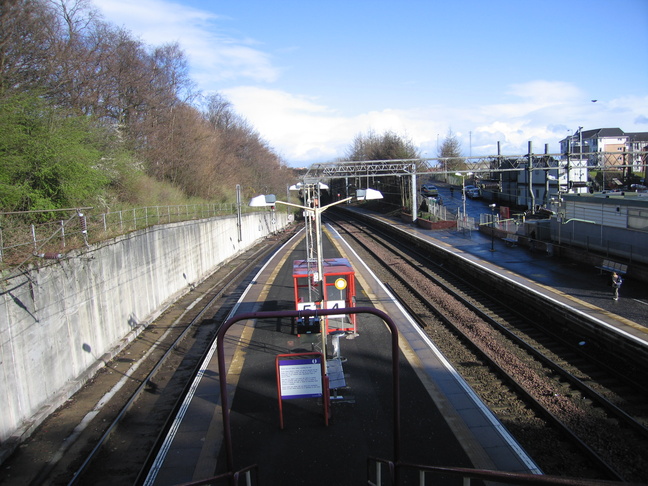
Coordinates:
<point>465,223</point>
<point>435,212</point>
<point>21,242</point>
<point>509,225</point>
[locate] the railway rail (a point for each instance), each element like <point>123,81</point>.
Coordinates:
<point>114,442</point>
<point>589,419</point>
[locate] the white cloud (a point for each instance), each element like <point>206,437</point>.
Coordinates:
<point>155,21</point>
<point>304,131</point>
<point>545,93</point>
<point>296,126</point>
<point>213,55</point>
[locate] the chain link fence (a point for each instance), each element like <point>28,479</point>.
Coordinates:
<point>22,243</point>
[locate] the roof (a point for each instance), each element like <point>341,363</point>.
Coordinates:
<point>330,266</point>
<point>638,136</point>
<point>603,132</point>
<point>630,199</point>
<point>609,133</point>
<point>598,133</point>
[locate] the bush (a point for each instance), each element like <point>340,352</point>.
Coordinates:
<point>48,160</point>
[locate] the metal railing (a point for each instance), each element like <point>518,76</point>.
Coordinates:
<point>465,223</point>
<point>509,225</point>
<point>22,242</point>
<point>381,472</point>
<point>247,476</point>
<point>435,212</point>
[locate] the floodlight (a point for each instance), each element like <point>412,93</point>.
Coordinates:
<point>367,194</point>
<point>263,200</point>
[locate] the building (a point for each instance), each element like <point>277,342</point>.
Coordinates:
<point>610,149</point>
<point>638,143</point>
<point>614,224</point>
<point>528,185</point>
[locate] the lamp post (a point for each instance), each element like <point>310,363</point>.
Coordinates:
<point>492,208</point>
<point>463,189</point>
<point>316,212</point>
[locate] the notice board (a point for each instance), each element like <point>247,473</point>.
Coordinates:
<point>301,376</point>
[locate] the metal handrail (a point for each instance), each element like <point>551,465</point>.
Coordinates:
<point>231,477</point>
<point>393,468</point>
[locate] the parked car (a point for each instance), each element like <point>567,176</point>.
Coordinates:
<point>429,190</point>
<point>473,192</point>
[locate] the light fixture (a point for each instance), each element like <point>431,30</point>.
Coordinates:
<point>367,194</point>
<point>264,200</point>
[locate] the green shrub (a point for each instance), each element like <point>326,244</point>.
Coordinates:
<point>48,159</point>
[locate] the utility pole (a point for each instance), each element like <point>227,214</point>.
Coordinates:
<point>530,172</point>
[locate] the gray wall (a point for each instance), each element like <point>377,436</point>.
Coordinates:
<point>60,323</point>
<point>620,244</point>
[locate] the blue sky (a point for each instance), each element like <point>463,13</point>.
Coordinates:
<point>311,75</point>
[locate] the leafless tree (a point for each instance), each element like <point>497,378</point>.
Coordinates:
<point>388,146</point>
<point>25,44</point>
<point>450,151</point>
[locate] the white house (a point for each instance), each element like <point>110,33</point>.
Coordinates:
<point>607,147</point>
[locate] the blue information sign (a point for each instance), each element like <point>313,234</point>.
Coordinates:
<point>300,378</point>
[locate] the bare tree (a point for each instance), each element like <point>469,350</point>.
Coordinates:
<point>450,151</point>
<point>221,115</point>
<point>76,16</point>
<point>74,54</point>
<point>25,45</point>
<point>388,146</point>
<point>171,74</point>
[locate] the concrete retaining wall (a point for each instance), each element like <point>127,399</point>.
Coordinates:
<point>60,323</point>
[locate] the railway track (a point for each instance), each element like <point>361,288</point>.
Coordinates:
<point>589,419</point>
<point>125,416</point>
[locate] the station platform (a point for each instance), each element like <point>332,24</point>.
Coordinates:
<point>443,423</point>
<point>574,284</point>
